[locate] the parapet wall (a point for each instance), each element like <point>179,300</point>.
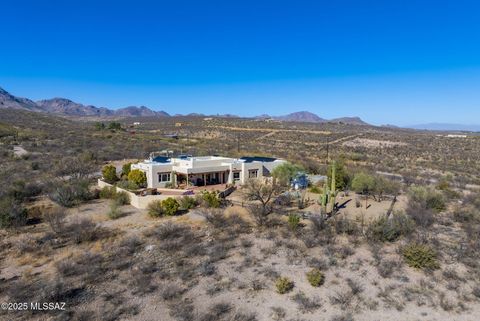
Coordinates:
<point>138,201</point>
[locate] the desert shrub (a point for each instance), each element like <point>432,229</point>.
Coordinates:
<point>12,213</point>
<point>71,193</point>
<point>315,189</point>
<point>427,198</point>
<point>109,173</point>
<point>108,192</point>
<point>122,198</point>
<point>210,199</point>
<point>386,268</point>
<point>466,215</point>
<point>126,168</point>
<point>170,291</point>
<point>170,206</point>
<point>390,228</point>
<point>55,218</point>
<point>306,304</point>
<point>83,230</point>
<point>293,221</point>
<point>284,285</point>
<point>343,225</point>
<point>128,185</point>
<point>114,211</point>
<point>422,216</point>
<point>155,209</point>
<point>315,277</point>
<point>137,177</point>
<point>420,256</point>
<point>187,202</point>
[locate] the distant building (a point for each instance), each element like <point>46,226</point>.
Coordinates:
<point>204,170</point>
<point>456,136</point>
<point>178,124</point>
<point>136,123</point>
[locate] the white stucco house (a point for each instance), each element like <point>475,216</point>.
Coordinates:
<point>204,170</point>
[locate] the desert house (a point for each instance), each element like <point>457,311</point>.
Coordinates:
<point>185,170</point>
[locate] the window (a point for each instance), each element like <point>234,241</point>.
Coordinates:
<point>252,173</point>
<point>236,176</point>
<point>164,177</point>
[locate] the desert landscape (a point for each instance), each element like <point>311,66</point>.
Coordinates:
<point>400,243</point>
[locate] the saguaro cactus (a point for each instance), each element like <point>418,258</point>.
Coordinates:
<point>329,192</point>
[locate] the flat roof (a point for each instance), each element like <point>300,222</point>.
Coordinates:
<point>250,159</point>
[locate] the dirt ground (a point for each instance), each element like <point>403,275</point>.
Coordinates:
<point>245,277</point>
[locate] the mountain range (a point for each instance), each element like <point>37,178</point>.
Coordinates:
<point>63,106</point>
<point>66,107</point>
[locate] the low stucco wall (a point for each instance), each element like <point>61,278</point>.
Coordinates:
<point>137,201</point>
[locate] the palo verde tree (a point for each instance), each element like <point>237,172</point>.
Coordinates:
<point>364,184</point>
<point>284,173</point>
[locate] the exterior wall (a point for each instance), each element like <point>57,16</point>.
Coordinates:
<point>140,202</point>
<point>201,165</point>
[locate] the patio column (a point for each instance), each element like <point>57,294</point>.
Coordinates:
<point>204,180</point>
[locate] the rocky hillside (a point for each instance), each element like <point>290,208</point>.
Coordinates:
<point>63,106</point>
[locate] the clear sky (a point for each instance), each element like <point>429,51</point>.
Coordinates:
<point>397,62</point>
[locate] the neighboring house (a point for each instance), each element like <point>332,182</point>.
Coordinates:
<point>187,171</point>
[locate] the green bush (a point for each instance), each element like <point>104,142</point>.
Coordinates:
<point>420,256</point>
<point>126,168</point>
<point>69,194</point>
<point>125,184</point>
<point>109,173</point>
<point>108,192</point>
<point>12,213</point>
<point>155,209</point>
<point>293,221</point>
<point>122,198</point>
<point>114,211</point>
<point>170,206</point>
<point>137,177</point>
<point>315,189</point>
<point>284,285</point>
<point>390,229</point>
<point>187,202</point>
<point>210,199</point>
<point>315,277</point>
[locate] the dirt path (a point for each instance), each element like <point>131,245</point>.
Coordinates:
<point>275,130</point>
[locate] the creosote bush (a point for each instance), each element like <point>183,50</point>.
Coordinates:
<point>167,207</point>
<point>315,277</point>
<point>155,209</point>
<point>420,256</point>
<point>293,221</point>
<point>187,202</point>
<point>210,199</point>
<point>170,206</point>
<point>390,228</point>
<point>108,192</point>
<point>284,285</point>
<point>137,177</point>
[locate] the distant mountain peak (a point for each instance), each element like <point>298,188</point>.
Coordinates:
<point>301,116</point>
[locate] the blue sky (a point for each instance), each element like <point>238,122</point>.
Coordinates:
<point>396,62</point>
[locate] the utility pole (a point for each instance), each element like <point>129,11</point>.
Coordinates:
<point>328,147</point>
<point>238,144</point>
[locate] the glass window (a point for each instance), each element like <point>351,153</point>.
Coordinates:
<point>236,175</point>
<point>164,177</point>
<point>252,173</point>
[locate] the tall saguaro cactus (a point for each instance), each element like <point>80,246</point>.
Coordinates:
<point>329,192</point>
